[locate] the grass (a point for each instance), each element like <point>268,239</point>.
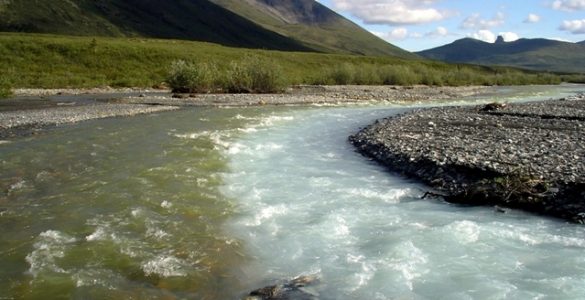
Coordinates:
<point>5,90</point>
<point>51,61</point>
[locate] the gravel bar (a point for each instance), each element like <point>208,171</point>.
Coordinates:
<point>325,95</point>
<point>529,156</point>
<point>32,109</point>
<point>16,123</point>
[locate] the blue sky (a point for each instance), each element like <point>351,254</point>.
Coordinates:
<point>422,24</point>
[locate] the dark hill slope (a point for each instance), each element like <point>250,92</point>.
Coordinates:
<point>315,25</point>
<point>536,54</point>
<point>199,20</point>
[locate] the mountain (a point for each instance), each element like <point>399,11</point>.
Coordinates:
<point>292,25</point>
<point>535,54</point>
<point>315,25</point>
<point>581,43</point>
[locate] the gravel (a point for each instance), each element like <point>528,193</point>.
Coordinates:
<point>303,95</point>
<point>15,123</point>
<point>529,156</point>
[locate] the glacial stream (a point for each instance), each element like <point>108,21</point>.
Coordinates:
<point>213,203</point>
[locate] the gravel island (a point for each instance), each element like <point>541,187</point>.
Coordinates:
<point>529,156</point>
<point>34,109</point>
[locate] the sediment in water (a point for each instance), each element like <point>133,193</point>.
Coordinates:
<point>529,156</point>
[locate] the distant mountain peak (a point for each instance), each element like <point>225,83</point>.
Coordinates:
<point>537,54</point>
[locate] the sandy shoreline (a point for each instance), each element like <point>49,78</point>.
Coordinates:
<point>35,109</point>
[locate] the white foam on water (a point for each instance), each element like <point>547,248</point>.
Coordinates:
<point>391,196</point>
<point>165,266</point>
<point>93,277</point>
<point>152,230</point>
<point>273,120</point>
<point>100,234</point>
<point>248,130</point>
<point>266,214</point>
<point>465,232</point>
<point>49,246</point>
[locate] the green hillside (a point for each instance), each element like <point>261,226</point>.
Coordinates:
<point>50,61</point>
<point>292,25</point>
<point>315,25</point>
<point>180,19</point>
<point>535,54</point>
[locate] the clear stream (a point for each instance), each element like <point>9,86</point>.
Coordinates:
<point>213,203</point>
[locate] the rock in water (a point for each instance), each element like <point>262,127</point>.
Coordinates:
<point>296,289</point>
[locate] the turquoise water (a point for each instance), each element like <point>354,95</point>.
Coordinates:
<point>213,203</point>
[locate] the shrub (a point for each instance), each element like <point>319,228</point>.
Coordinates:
<point>367,74</point>
<point>237,79</point>
<point>254,76</point>
<point>186,77</point>
<point>342,74</point>
<point>398,75</point>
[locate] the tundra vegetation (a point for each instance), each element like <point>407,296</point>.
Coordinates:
<point>51,61</point>
<point>5,90</point>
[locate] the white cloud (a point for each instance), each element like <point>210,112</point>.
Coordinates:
<point>532,18</point>
<point>439,32</point>
<point>398,34</point>
<point>476,22</point>
<point>574,26</point>
<point>392,12</point>
<point>484,35</point>
<point>509,36</point>
<point>569,5</point>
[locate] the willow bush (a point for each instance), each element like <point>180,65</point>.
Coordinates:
<point>250,75</point>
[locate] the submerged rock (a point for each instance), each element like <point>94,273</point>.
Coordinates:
<point>528,156</point>
<point>296,289</point>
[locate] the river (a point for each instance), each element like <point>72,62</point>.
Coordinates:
<point>213,203</point>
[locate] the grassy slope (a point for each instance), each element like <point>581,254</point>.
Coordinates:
<point>180,19</point>
<point>39,60</point>
<point>49,61</point>
<point>536,54</point>
<point>330,32</point>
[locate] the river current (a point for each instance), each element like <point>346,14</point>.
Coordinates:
<point>213,203</point>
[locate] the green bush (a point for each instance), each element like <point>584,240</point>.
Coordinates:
<point>398,75</point>
<point>237,79</point>
<point>254,75</point>
<point>367,75</point>
<point>342,74</point>
<point>186,77</point>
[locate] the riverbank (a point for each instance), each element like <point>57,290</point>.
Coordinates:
<point>34,109</point>
<point>529,156</point>
<point>25,122</point>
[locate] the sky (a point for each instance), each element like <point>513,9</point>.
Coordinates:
<point>416,25</point>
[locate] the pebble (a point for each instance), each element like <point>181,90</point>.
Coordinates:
<point>541,140</point>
